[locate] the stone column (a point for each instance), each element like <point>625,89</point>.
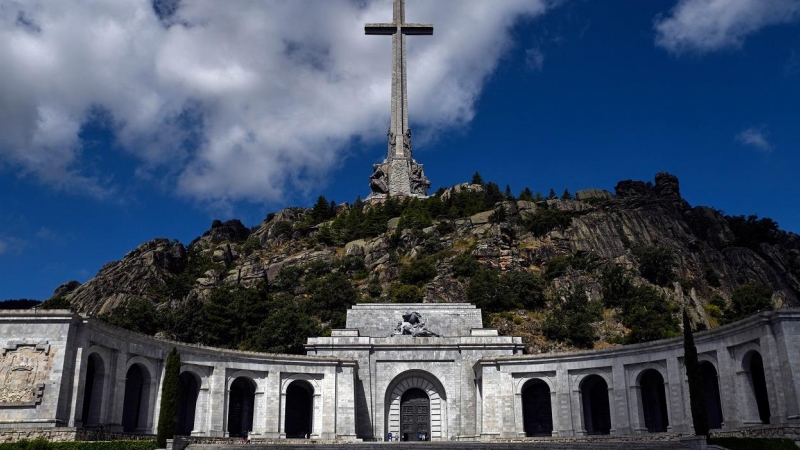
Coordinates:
<point>562,411</point>
<point>491,402</point>
<point>272,396</point>
<point>78,384</point>
<point>786,338</point>
<point>776,385</point>
<point>619,401</point>
<point>201,411</point>
<point>345,403</point>
<point>218,399</point>
<point>118,391</point>
<point>727,373</point>
<point>676,402</point>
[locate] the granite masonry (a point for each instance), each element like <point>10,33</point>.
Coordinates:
<point>417,371</point>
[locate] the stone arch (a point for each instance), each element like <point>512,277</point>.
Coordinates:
<point>756,392</point>
<point>595,404</point>
<point>713,401</point>
<point>94,388</point>
<point>537,407</point>
<point>310,382</point>
<point>138,402</point>
<point>520,380</point>
<point>188,393</point>
<point>432,387</point>
<point>299,410</point>
<point>241,405</point>
<point>653,400</point>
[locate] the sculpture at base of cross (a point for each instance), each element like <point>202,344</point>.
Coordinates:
<point>379,181</point>
<point>419,183</point>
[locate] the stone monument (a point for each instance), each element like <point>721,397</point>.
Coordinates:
<point>399,174</point>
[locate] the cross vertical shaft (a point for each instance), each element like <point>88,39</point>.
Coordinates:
<point>399,29</point>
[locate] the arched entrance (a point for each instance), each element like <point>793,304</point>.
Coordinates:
<point>596,410</point>
<point>754,365</point>
<point>415,416</point>
<point>93,391</point>
<point>299,419</point>
<point>188,390</point>
<point>241,404</point>
<point>135,408</point>
<point>711,392</point>
<point>654,401</point>
<point>537,410</point>
<point>401,392</point>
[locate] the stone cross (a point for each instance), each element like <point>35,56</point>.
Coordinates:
<point>399,174</point>
<point>398,29</point>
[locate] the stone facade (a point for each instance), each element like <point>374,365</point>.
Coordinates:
<point>63,371</point>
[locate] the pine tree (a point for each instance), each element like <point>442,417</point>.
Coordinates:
<point>552,195</point>
<point>694,376</point>
<point>526,195</point>
<point>477,178</point>
<point>566,195</point>
<point>509,194</point>
<point>168,416</point>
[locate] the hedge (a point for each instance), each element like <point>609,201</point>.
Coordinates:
<point>732,443</point>
<point>44,444</point>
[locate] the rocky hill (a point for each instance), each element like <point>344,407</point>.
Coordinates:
<point>562,272</point>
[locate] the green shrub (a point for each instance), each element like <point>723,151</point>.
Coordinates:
<point>545,220</point>
<point>556,267</point>
<point>569,320</point>
<point>404,293</point>
<point>712,277</point>
<point>137,315</point>
<point>464,265</point>
<point>418,272</point>
<point>282,228</point>
<point>748,299</point>
<point>514,290</point>
<point>649,315</point>
<point>56,303</point>
<point>732,443</point>
<point>616,285</point>
<point>286,331</point>
<point>43,444</point>
<point>656,264</point>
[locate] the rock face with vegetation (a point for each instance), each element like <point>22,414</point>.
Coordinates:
<point>583,271</point>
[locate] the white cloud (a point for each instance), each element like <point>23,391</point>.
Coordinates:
<point>11,245</point>
<point>272,92</point>
<point>534,58</point>
<point>756,138</point>
<point>703,26</point>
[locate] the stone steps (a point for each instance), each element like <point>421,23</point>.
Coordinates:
<point>528,445</point>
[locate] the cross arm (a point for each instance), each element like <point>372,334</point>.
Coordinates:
<point>380,28</point>
<point>418,28</point>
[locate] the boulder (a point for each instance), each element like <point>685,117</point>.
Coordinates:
<point>593,194</point>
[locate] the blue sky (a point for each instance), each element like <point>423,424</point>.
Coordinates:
<point>119,125</point>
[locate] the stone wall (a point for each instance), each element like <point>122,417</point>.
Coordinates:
<point>476,381</point>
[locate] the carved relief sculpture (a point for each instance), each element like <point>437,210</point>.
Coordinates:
<point>413,325</point>
<point>23,369</point>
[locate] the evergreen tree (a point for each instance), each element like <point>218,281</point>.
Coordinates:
<point>526,195</point>
<point>509,194</point>
<point>694,376</point>
<point>552,195</point>
<point>168,416</point>
<point>322,210</point>
<point>566,195</point>
<point>477,178</point>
